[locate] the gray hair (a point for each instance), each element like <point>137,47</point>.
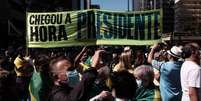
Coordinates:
<point>144,72</point>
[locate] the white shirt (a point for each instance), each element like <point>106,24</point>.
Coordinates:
<point>190,77</point>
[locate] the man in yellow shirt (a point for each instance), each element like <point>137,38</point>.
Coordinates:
<point>23,70</point>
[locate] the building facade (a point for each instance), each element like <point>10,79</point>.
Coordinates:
<point>188,16</point>
<point>188,20</point>
<point>166,5</point>
<point>141,5</point>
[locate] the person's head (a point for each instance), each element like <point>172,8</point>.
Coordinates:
<point>124,61</point>
<point>144,75</point>
<point>123,84</point>
<point>10,51</point>
<point>191,51</point>
<point>139,57</point>
<point>116,52</point>
<point>174,53</point>
<point>115,56</point>
<point>59,68</point>
<point>42,63</point>
<point>128,51</point>
<point>139,54</point>
<point>21,51</point>
<point>4,71</point>
<point>163,56</point>
<point>5,63</point>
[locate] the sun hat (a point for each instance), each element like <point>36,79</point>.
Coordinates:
<point>175,51</point>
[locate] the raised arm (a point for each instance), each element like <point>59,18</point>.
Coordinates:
<point>151,53</point>
<point>80,55</point>
<point>79,93</point>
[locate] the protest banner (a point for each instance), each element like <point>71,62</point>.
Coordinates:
<point>93,27</point>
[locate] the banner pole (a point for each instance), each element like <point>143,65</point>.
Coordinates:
<point>27,50</point>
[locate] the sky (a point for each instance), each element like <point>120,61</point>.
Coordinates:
<point>116,5</point>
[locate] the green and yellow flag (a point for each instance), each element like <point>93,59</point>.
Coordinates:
<point>35,86</point>
<point>93,27</point>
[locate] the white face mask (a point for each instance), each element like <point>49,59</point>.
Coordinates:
<point>139,83</point>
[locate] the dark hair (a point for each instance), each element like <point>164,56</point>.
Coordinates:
<point>57,59</point>
<point>106,57</point>
<point>5,63</point>
<point>42,63</point>
<point>20,50</point>
<point>124,84</point>
<point>52,63</point>
<point>160,47</point>
<point>188,49</point>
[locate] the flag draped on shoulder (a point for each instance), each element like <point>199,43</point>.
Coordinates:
<point>35,86</point>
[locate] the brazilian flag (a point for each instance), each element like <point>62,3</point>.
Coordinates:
<point>35,86</point>
<point>150,93</point>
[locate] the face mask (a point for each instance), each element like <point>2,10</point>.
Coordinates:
<point>72,77</point>
<point>139,83</point>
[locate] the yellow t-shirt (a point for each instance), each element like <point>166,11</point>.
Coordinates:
<point>19,64</point>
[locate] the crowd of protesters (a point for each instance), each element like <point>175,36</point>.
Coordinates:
<point>101,73</point>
